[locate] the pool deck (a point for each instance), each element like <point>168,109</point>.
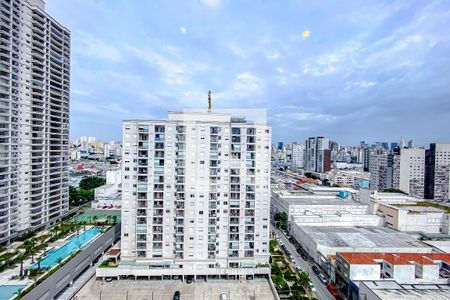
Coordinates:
<point>5,276</point>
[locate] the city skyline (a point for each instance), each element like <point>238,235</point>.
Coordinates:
<point>352,71</point>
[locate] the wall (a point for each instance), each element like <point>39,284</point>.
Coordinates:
<point>54,284</point>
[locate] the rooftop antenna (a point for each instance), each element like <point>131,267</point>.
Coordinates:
<point>209,101</point>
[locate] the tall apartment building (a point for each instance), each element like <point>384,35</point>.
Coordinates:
<point>34,118</point>
<point>437,178</point>
<point>196,196</point>
<point>402,169</point>
<point>378,168</point>
<point>298,152</point>
<point>411,174</point>
<point>317,155</point>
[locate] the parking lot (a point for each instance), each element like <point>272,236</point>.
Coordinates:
<point>161,290</point>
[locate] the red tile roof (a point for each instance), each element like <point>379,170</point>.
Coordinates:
<point>368,258</point>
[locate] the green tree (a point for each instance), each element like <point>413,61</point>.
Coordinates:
<point>59,261</point>
<point>114,219</point>
<point>94,218</point>
<point>303,279</point>
<point>282,219</point>
<point>91,182</point>
<point>30,248</point>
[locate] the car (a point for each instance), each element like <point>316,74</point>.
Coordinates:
<point>291,257</point>
<point>315,269</point>
<point>304,256</point>
<point>332,289</point>
<point>323,279</point>
<point>189,280</point>
<point>177,295</point>
<point>223,296</point>
<point>312,287</point>
<point>109,279</point>
<point>299,269</point>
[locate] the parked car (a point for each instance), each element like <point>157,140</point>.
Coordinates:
<point>109,279</point>
<point>315,269</point>
<point>177,295</point>
<point>223,296</point>
<point>299,269</point>
<point>312,287</point>
<point>323,279</point>
<point>189,280</point>
<point>332,289</point>
<point>304,256</point>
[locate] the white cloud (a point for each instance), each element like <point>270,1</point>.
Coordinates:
<point>90,46</point>
<point>183,29</point>
<point>247,84</point>
<point>174,73</point>
<point>211,3</point>
<point>273,55</point>
<point>80,92</point>
<point>360,84</point>
<point>281,70</point>
<point>237,50</point>
<point>307,116</point>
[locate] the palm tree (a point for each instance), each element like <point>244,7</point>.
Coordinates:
<point>21,258</point>
<point>108,218</point>
<point>114,219</point>
<point>18,292</point>
<point>95,219</point>
<point>59,260</point>
<point>30,248</point>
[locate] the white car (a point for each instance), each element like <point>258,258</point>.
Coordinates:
<point>223,296</point>
<point>312,287</point>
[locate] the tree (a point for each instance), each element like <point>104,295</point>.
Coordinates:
<point>303,279</point>
<point>21,258</point>
<point>114,219</point>
<point>94,218</point>
<point>108,219</point>
<point>91,182</point>
<point>59,261</point>
<point>30,248</point>
<point>282,219</point>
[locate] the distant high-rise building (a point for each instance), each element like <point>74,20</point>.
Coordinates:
<point>406,171</point>
<point>298,151</point>
<point>411,144</point>
<point>35,96</point>
<point>437,172</point>
<point>280,145</point>
<point>394,145</point>
<point>378,167</point>
<point>402,143</point>
<point>317,155</point>
<point>196,196</point>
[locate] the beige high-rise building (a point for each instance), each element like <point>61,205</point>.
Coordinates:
<point>34,118</point>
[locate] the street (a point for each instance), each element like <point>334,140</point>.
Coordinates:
<point>321,290</point>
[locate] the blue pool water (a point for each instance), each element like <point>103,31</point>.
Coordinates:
<point>51,259</point>
<point>8,291</point>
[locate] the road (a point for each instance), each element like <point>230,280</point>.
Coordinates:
<point>321,290</point>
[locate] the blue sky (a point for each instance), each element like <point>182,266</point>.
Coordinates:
<point>369,70</point>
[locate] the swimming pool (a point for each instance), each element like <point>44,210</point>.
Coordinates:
<point>8,291</point>
<point>79,241</point>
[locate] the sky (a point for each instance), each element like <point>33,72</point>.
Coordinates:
<point>349,70</point>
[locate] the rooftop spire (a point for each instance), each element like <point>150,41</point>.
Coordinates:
<point>209,101</point>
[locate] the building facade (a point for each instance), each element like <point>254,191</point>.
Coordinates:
<point>34,119</point>
<point>437,185</point>
<point>196,196</point>
<point>317,155</point>
<point>298,151</point>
